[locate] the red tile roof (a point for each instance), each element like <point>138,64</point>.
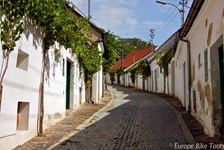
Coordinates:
<point>116,65</point>
<point>133,57</point>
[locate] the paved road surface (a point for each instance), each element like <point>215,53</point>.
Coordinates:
<point>135,120</point>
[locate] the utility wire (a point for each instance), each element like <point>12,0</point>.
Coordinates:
<point>160,27</point>
<point>166,24</point>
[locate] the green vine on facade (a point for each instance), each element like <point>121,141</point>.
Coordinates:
<point>163,61</point>
<point>142,68</point>
<point>118,72</point>
<point>58,25</point>
<point>133,72</point>
<point>110,55</point>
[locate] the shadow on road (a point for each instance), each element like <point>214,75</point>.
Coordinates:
<point>134,120</point>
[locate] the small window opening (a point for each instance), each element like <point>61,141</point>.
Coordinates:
<point>22,60</point>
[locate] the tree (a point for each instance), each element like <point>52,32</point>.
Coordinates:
<point>131,44</point>
<point>11,28</point>
<point>110,55</point>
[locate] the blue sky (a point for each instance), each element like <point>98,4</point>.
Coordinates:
<point>134,18</point>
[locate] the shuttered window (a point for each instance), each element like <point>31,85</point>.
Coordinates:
<point>206,64</point>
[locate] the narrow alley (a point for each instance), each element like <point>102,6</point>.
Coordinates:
<point>134,120</point>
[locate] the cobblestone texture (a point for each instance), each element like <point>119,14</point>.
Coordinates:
<point>134,120</point>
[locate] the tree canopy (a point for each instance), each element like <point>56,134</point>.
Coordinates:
<point>110,55</point>
<point>131,44</point>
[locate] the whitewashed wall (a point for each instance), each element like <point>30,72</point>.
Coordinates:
<point>55,84</point>
<point>97,81</point>
<point>139,82</point>
<point>202,101</point>
<point>21,86</point>
<point>108,81</point>
<point>181,74</point>
<point>156,81</point>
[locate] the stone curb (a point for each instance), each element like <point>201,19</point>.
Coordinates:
<point>83,125</point>
<point>187,134</point>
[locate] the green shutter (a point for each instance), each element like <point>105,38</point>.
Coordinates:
<point>206,64</point>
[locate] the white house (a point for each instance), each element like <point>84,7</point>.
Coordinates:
<point>198,64</point>
<point>157,82</point>
<point>64,85</point>
<point>20,97</point>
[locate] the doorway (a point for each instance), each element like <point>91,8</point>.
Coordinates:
<point>184,85</point>
<point>68,84</point>
<point>217,74</point>
<point>173,78</point>
<point>221,67</point>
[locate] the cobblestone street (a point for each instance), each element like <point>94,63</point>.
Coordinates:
<point>134,120</point>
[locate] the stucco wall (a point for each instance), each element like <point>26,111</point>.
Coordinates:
<point>156,83</point>
<point>55,84</point>
<point>206,30</point>
<point>21,86</point>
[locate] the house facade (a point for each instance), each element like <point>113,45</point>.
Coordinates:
<point>64,87</point>
<point>199,61</point>
<point>131,61</point>
<point>196,70</point>
<point>20,96</point>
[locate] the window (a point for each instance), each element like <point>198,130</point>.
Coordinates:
<point>199,61</point>
<point>63,67</point>
<point>22,60</point>
<point>206,64</point>
<point>23,116</point>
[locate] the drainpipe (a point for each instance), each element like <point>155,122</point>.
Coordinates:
<point>189,70</point>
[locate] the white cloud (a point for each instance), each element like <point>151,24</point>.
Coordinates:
<point>130,18</point>
<point>118,16</point>
<point>153,23</point>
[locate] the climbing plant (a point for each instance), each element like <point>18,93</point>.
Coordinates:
<point>110,55</point>
<point>163,61</point>
<point>58,25</point>
<point>142,68</point>
<point>11,28</point>
<point>133,72</point>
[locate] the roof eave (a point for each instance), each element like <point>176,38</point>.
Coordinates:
<point>195,8</point>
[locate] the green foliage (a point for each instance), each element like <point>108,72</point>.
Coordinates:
<point>110,55</point>
<point>11,27</point>
<point>131,44</point>
<point>164,60</point>
<point>133,72</point>
<point>54,16</point>
<point>117,72</point>
<point>90,61</point>
<point>143,69</point>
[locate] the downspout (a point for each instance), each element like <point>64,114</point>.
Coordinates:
<point>189,71</point>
